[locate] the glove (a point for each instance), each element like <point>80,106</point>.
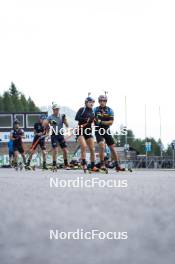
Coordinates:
<point>98,121</point>
<point>53,122</point>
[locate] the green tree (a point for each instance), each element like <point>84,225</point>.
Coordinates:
<point>8,103</point>
<point>24,103</point>
<point>1,104</point>
<point>15,96</point>
<point>31,106</point>
<point>14,101</point>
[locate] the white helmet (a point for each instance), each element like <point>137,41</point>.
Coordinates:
<point>55,106</point>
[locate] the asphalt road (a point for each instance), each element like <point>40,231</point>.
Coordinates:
<point>29,209</point>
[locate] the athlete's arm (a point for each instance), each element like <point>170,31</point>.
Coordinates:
<point>65,122</point>
<point>51,121</point>
<point>22,134</point>
<point>35,127</point>
<point>79,116</point>
<point>111,118</point>
<point>11,136</point>
<point>107,123</point>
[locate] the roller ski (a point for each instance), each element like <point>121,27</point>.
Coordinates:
<point>29,168</point>
<point>93,170</point>
<point>120,169</point>
<point>18,166</point>
<point>85,169</point>
<point>103,169</point>
<point>54,167</point>
<point>44,167</point>
<point>129,170</point>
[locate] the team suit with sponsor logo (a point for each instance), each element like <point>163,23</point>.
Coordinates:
<point>85,117</point>
<point>104,117</point>
<point>57,121</point>
<point>40,131</point>
<point>16,136</point>
<point>57,138</point>
<point>102,132</point>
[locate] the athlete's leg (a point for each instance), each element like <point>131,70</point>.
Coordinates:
<point>83,146</point>
<point>16,154</point>
<point>63,146</point>
<point>30,156</point>
<point>54,155</point>
<point>116,158</point>
<point>54,141</point>
<point>43,150</point>
<point>65,156</point>
<point>90,143</point>
<point>101,143</point>
<point>24,158</point>
<point>44,155</point>
<point>111,144</point>
<point>114,153</point>
<point>102,152</point>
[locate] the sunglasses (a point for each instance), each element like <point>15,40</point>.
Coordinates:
<point>103,101</point>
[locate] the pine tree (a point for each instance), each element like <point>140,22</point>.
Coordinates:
<point>8,103</point>
<point>24,103</point>
<point>31,106</point>
<point>1,104</point>
<point>14,101</point>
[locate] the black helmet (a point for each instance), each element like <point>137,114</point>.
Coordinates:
<point>89,99</point>
<point>16,122</point>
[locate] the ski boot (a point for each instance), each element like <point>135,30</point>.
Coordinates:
<point>118,169</point>
<point>67,167</point>
<point>93,170</point>
<point>103,169</point>
<point>44,167</point>
<point>16,166</point>
<point>28,167</point>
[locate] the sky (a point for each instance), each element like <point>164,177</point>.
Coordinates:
<point>61,50</point>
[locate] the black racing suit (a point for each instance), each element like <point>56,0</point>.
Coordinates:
<point>39,128</point>
<point>85,117</point>
<point>17,135</point>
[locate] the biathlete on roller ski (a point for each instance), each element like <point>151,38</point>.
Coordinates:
<point>57,121</point>
<point>104,118</point>
<point>41,130</point>
<point>16,135</point>
<point>85,117</point>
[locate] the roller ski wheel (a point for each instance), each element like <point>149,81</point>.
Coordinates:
<point>45,168</point>
<point>16,167</point>
<point>67,167</point>
<point>54,168</point>
<point>94,170</point>
<point>103,170</point>
<point>130,170</point>
<point>20,165</point>
<point>29,168</point>
<point>85,168</point>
